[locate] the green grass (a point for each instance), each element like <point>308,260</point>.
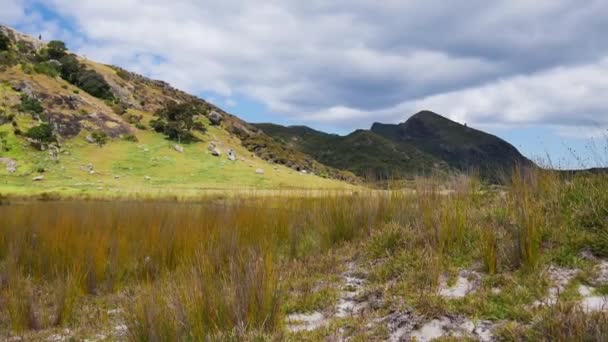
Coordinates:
<point>152,156</point>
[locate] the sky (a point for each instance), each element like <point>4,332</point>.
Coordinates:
<point>532,72</point>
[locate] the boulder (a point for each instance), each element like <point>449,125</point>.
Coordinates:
<point>215,118</point>
<point>259,171</point>
<point>178,148</point>
<point>216,152</point>
<point>23,87</point>
<point>231,155</point>
<point>38,178</point>
<point>89,139</point>
<point>11,165</point>
<point>55,63</point>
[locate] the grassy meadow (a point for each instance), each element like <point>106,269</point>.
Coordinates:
<point>237,267</point>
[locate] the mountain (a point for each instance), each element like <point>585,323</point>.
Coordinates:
<point>80,124</point>
<point>460,146</point>
<point>425,143</point>
<point>363,152</point>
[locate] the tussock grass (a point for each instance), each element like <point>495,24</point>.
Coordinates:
<point>230,267</point>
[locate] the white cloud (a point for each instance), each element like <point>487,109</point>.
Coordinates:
<point>350,62</point>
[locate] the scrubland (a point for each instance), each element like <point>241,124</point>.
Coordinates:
<point>357,265</point>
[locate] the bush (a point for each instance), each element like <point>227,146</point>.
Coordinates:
<point>46,68</point>
<point>30,105</point>
<point>130,137</point>
<point>5,42</point>
<point>94,84</point>
<point>42,133</point>
<point>86,79</point>
<point>119,108</point>
<point>100,138</point>
<point>4,147</point>
<point>8,58</point>
<point>141,126</point>
<point>123,74</point>
<point>56,49</point>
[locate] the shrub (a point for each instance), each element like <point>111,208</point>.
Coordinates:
<point>94,84</point>
<point>123,74</point>
<point>130,137</point>
<point>56,49</point>
<point>119,108</point>
<point>46,68</point>
<point>4,142</point>
<point>5,42</point>
<point>42,133</point>
<point>30,105</point>
<point>86,79</point>
<point>100,138</point>
<point>7,58</point>
<point>141,126</point>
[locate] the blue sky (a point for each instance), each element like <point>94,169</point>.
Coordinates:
<point>506,67</point>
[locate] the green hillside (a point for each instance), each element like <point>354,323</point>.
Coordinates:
<point>425,144</point>
<point>363,152</point>
<point>78,126</point>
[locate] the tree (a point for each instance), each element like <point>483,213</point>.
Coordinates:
<point>56,49</point>
<point>176,120</point>
<point>100,138</point>
<point>5,42</point>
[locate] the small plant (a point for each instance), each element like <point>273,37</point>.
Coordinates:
<point>4,147</point>
<point>119,108</point>
<point>30,105</point>
<point>100,138</point>
<point>123,74</point>
<point>130,137</point>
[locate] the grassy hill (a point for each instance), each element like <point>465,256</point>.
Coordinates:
<point>78,100</point>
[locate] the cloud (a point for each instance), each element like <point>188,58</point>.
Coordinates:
<point>568,98</point>
<point>347,63</point>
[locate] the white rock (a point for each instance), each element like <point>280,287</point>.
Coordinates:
<point>38,178</point>
<point>259,171</point>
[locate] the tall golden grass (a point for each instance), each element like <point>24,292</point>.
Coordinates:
<point>213,268</point>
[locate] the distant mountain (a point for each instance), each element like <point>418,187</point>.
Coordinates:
<point>425,143</point>
<point>363,152</point>
<point>461,147</point>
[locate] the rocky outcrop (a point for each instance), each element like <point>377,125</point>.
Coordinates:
<point>215,118</point>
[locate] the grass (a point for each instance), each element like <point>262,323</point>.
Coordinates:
<point>232,267</point>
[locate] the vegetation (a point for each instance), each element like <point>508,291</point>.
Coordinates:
<point>195,278</point>
<point>426,144</point>
<point>56,49</point>
<point>100,138</point>
<point>42,133</point>
<point>47,68</point>
<point>30,105</point>
<point>176,121</point>
<point>5,42</point>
